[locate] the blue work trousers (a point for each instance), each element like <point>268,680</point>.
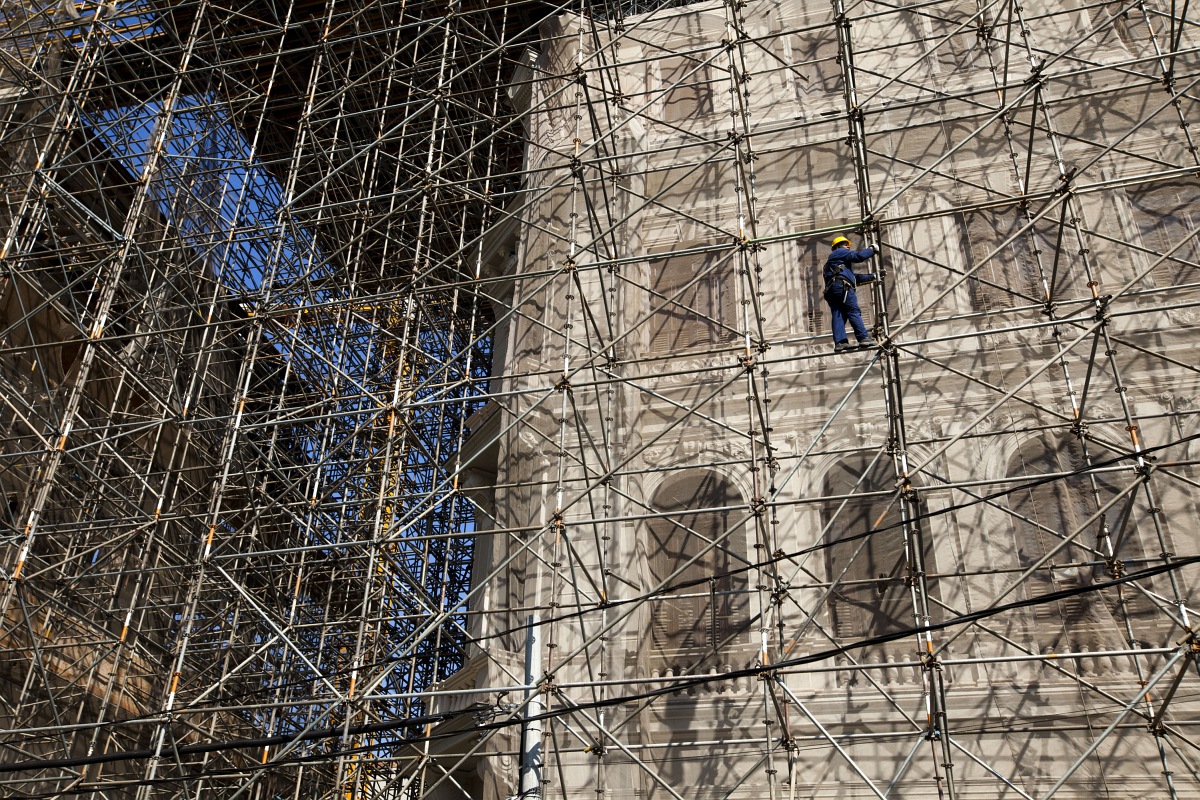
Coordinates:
<point>844,308</point>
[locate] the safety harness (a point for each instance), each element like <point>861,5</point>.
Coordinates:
<point>835,279</point>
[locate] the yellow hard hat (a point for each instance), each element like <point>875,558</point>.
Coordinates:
<point>840,240</point>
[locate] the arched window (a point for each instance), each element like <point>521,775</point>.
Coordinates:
<point>696,298</point>
<point>707,604</point>
<point>1165,214</point>
<point>866,558</point>
<point>687,89</point>
<point>995,285</point>
<point>815,67</point>
<point>811,266</point>
<point>956,47</point>
<point>1046,510</point>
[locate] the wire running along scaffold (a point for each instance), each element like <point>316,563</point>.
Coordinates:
<point>257,281</point>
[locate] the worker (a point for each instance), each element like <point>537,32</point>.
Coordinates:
<point>840,283</point>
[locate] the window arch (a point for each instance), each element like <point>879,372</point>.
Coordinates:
<point>1165,214</point>
<point>810,264</point>
<point>708,602</point>
<point>687,88</point>
<point>1000,282</point>
<point>1046,511</point>
<point>866,556</point>
<point>695,295</point>
<point>815,67</point>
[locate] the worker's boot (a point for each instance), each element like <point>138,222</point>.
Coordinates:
<point>868,343</point>
<point>842,347</point>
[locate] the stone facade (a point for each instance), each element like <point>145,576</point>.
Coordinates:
<point>685,474</point>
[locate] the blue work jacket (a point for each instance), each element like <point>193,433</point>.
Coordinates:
<point>839,277</point>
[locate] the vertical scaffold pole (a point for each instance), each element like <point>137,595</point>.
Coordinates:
<point>908,503</point>
<point>531,730</point>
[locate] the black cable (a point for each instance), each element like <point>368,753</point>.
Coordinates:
<point>675,587</point>
<point>672,688</point>
<point>927,515</point>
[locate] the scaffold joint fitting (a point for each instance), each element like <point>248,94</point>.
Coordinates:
<point>1064,182</point>
<point>758,506</point>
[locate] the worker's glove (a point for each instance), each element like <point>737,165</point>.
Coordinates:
<point>877,249</point>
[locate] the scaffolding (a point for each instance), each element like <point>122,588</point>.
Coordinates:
<point>416,399</point>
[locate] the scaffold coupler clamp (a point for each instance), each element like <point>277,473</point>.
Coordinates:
<point>930,661</point>
<point>1035,73</point>
<point>1144,467</point>
<point>762,669</point>
<point>1064,182</point>
<point>758,506</point>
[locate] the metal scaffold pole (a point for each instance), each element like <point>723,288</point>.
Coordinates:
<point>436,399</point>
